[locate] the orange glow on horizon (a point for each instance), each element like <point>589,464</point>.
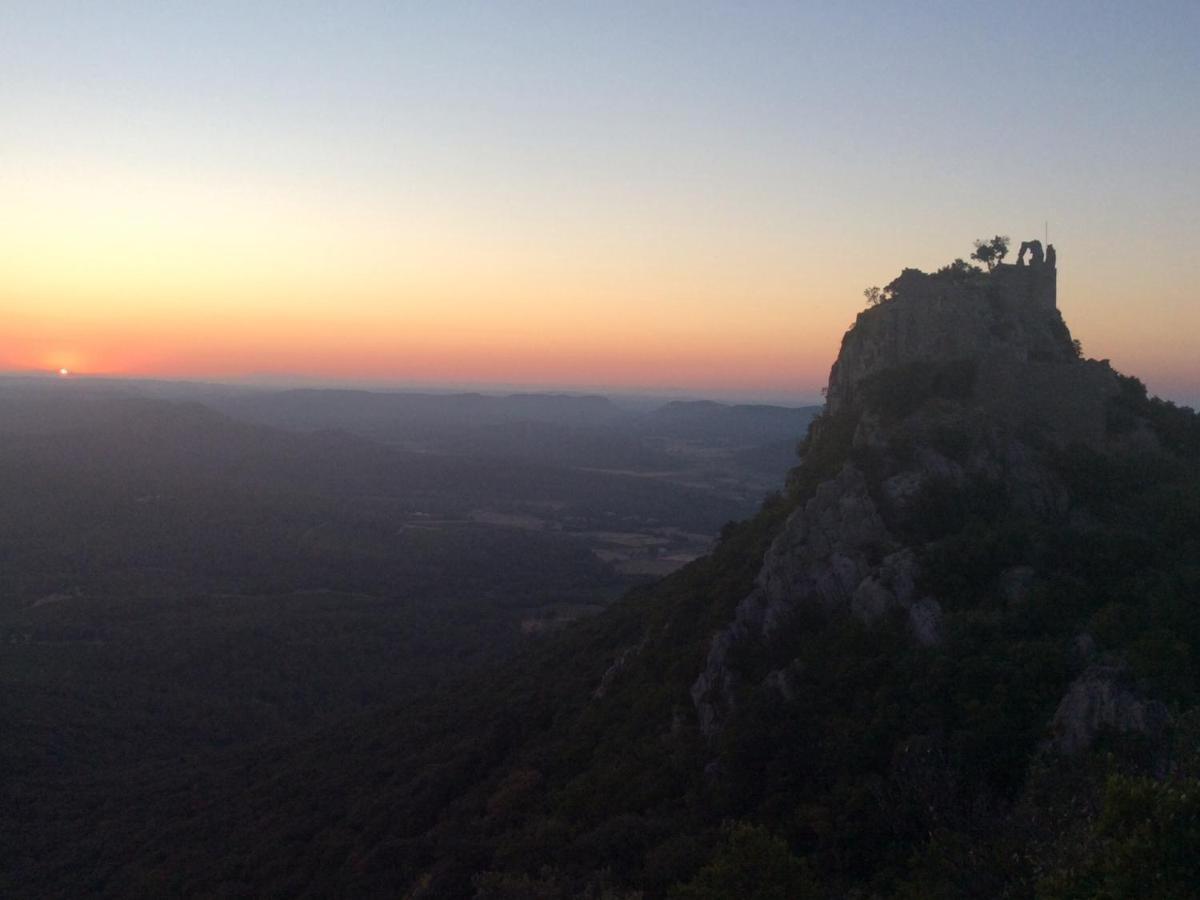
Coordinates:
<point>397,355</point>
<point>442,344</point>
<point>129,274</point>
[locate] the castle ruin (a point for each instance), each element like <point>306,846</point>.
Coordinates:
<point>1036,280</point>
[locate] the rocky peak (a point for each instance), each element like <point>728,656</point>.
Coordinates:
<point>996,336</point>
<point>1008,313</point>
<point>955,380</point>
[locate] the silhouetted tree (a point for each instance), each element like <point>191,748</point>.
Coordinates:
<point>960,270</point>
<point>991,253</point>
<point>876,295</point>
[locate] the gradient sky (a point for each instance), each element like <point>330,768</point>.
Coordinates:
<point>651,195</point>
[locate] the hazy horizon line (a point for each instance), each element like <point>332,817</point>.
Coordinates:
<point>289,381</point>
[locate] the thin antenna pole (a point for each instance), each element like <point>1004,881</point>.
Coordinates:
<point>1047,224</point>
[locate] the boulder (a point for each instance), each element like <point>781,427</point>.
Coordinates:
<point>1100,699</point>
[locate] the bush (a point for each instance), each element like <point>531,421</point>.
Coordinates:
<point>752,864</point>
<point>1144,844</point>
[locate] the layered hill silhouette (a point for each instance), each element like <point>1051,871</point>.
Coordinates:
<point>954,656</point>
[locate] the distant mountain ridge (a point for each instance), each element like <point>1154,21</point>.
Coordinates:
<point>732,423</point>
<point>335,408</point>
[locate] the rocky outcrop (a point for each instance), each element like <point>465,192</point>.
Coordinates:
<point>783,680</point>
<point>1102,699</point>
<point>925,621</point>
<point>1017,352</point>
<point>825,552</point>
<point>954,387</point>
<point>936,318</point>
<point>618,666</point>
<point>834,554</point>
<point>822,556</point>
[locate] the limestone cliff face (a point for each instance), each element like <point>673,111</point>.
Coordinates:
<point>995,318</point>
<point>953,387</point>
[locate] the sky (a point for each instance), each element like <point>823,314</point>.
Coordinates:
<point>644,195</point>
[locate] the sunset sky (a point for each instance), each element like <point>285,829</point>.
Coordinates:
<point>620,195</point>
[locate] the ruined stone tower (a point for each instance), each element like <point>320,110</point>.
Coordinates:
<point>1035,282</point>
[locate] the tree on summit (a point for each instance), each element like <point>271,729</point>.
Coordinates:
<point>991,253</point>
<point>877,295</point>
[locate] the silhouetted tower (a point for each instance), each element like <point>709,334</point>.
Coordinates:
<point>1035,281</point>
